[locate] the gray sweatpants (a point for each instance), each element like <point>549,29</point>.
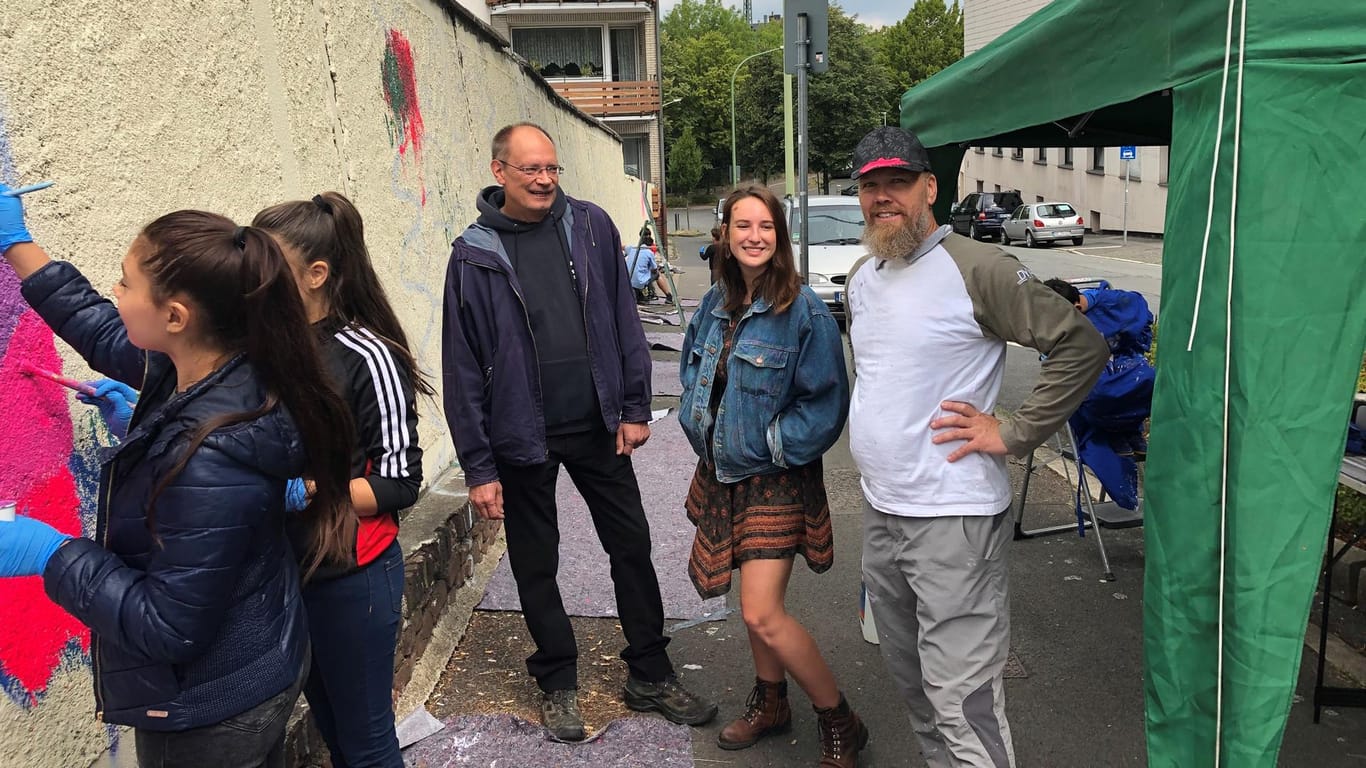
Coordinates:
<point>937,589</point>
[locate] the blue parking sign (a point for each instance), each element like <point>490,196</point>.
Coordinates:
<point>1128,153</point>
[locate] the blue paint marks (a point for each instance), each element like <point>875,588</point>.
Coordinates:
<point>71,655</point>
<point>90,433</point>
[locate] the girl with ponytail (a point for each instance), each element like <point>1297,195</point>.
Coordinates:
<point>354,606</point>
<point>190,586</point>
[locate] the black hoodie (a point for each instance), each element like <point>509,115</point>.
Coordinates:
<point>540,256</point>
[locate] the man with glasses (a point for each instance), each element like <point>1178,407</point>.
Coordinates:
<point>545,364</point>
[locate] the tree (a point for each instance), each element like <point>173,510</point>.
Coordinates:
<point>701,41</point>
<point>698,71</point>
<point>928,40</point>
<point>690,19</point>
<point>846,101</point>
<point>843,103</point>
<point>759,108</point>
<point>685,163</point>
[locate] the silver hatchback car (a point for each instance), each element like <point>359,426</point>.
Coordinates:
<point>1044,223</point>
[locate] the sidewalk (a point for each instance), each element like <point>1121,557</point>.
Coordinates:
<point>1074,685</point>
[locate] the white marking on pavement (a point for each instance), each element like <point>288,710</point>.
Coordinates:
<point>1111,258</point>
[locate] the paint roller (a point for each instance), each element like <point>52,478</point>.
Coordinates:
<point>28,369</point>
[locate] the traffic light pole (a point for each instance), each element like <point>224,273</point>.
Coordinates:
<point>803,68</point>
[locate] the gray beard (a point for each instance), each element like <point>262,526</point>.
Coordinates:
<point>887,242</point>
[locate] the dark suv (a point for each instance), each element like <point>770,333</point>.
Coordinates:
<point>981,214</point>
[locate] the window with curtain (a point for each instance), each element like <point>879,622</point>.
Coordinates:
<point>561,51</point>
<point>635,152</point>
<point>625,54</point>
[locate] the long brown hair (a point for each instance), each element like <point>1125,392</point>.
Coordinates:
<point>328,228</point>
<point>780,282</point>
<point>242,286</point>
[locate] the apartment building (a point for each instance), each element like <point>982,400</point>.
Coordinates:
<point>602,56</point>
<point>1091,179</point>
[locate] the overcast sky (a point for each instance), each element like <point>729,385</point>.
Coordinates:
<point>874,13</point>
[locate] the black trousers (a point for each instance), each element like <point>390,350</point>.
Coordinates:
<point>253,739</point>
<point>608,483</point>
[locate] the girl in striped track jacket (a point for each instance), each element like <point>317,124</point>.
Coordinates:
<point>354,607</point>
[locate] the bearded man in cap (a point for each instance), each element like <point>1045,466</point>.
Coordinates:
<point>930,314</point>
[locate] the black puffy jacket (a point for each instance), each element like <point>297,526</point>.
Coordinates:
<point>199,618</point>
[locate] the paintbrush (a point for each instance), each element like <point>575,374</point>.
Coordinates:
<point>25,190</point>
<point>29,369</point>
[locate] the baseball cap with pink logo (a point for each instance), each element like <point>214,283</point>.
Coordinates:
<point>889,147</point>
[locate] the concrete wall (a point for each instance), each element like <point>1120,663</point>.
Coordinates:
<point>139,108</point>
<point>477,8</point>
<point>1099,196</point>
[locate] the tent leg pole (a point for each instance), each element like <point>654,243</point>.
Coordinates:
<point>1323,619</point>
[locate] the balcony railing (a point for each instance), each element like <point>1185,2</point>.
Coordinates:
<point>612,98</point>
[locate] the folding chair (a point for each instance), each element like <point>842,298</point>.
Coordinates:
<point>1089,511</point>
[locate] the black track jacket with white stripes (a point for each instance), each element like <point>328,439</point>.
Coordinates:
<point>367,374</point>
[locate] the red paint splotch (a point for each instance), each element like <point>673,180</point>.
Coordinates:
<point>400,91</point>
<point>34,472</point>
<point>36,630</point>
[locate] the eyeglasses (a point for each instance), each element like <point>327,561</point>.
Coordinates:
<point>553,171</point>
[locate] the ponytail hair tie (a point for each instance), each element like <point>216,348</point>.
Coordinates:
<point>239,238</point>
<point>322,203</point>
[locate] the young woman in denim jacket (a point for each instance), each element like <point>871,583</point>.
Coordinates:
<point>765,394</point>
<point>189,586</point>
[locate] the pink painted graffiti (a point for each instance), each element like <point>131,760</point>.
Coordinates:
<point>36,436</point>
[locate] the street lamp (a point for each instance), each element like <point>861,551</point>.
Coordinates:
<point>734,169</point>
<point>670,102</point>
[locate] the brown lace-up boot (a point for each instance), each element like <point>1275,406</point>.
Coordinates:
<point>766,711</point>
<point>842,735</point>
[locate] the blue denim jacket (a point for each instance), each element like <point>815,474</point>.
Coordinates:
<point>787,392</point>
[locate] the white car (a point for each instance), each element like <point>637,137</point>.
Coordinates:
<point>835,232</point>
<point>1044,223</point>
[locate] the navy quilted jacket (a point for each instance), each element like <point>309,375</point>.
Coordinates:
<point>204,621</point>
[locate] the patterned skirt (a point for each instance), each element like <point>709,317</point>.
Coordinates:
<point>765,517</point>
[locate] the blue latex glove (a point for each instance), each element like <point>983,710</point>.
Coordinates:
<point>296,495</point>
<point>12,228</point>
<point>115,401</point>
<point>26,545</point>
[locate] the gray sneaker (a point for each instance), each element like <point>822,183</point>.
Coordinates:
<point>560,714</point>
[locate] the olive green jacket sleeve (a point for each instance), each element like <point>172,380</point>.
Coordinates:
<point>1011,304</point>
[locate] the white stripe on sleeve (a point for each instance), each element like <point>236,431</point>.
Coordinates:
<point>393,410</point>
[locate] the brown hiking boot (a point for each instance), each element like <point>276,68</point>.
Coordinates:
<point>766,711</point>
<point>842,735</point>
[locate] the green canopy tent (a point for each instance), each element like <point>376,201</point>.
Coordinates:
<point>1263,318</point>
